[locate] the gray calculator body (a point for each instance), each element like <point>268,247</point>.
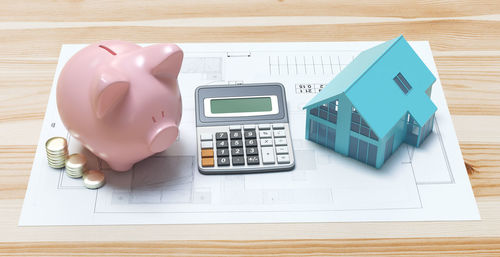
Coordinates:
<point>243,129</point>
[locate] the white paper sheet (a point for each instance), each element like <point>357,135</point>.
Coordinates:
<point>427,183</point>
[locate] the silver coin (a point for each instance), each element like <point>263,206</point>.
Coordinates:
<point>93,179</point>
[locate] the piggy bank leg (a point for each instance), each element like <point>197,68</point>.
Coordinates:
<point>118,166</point>
<point>163,137</point>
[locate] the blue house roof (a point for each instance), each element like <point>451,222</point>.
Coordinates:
<point>382,103</point>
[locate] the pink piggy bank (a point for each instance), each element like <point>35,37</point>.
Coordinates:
<point>121,100</point>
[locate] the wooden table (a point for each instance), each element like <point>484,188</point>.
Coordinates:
<point>465,39</point>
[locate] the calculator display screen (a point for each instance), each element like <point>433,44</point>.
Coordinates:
<point>241,106</point>
<point>238,105</point>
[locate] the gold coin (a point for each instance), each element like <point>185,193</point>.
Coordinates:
<point>56,163</point>
<point>61,159</point>
<point>76,162</point>
<point>74,175</point>
<point>58,160</point>
<point>93,179</point>
<point>56,144</point>
<point>56,166</point>
<point>57,156</point>
<point>57,153</point>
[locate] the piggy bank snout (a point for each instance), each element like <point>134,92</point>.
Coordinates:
<point>163,137</point>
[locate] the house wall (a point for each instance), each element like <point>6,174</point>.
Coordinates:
<point>343,125</point>
<point>338,136</point>
<point>425,130</point>
<point>399,134</point>
<point>358,146</point>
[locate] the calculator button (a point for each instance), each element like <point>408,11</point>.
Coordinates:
<point>236,143</point>
<point>236,151</point>
<point>207,162</point>
<point>206,137</point>
<point>266,142</point>
<point>221,135</point>
<point>238,160</point>
<point>278,126</point>
<point>234,127</point>
<point>250,134</point>
<point>207,144</point>
<point>247,127</point>
<point>223,161</point>
<point>250,142</point>
<point>220,144</point>
<point>222,152</point>
<point>235,134</point>
<point>207,153</point>
<point>267,155</point>
<point>264,133</point>
<point>280,141</point>
<point>264,126</point>
<point>283,158</point>
<point>252,151</point>
<point>279,133</point>
<point>253,160</point>
<point>281,149</point>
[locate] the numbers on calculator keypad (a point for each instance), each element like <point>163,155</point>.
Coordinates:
<point>248,145</point>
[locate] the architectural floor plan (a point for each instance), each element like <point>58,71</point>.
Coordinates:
<point>416,184</point>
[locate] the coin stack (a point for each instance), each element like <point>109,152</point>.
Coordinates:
<point>93,179</point>
<point>57,152</point>
<point>76,165</point>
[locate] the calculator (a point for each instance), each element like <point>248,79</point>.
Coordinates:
<point>243,129</point>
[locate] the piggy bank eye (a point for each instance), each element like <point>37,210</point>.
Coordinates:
<point>107,49</point>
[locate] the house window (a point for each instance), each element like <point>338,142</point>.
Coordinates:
<point>362,151</point>
<point>322,134</point>
<point>330,143</point>
<point>402,83</point>
<point>359,125</point>
<point>327,111</point>
<point>313,131</point>
<point>314,111</point>
<point>372,155</point>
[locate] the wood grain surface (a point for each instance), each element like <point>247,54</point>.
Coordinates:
<point>464,37</point>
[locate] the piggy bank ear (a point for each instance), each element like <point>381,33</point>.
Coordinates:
<point>109,91</point>
<point>165,61</point>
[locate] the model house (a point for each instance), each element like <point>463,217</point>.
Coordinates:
<point>380,100</point>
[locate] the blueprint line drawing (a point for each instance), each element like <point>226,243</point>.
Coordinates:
<point>414,184</point>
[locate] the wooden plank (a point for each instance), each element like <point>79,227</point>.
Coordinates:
<point>26,10</point>
<point>445,35</point>
<point>361,247</point>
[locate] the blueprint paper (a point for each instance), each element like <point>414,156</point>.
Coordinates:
<point>422,184</point>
